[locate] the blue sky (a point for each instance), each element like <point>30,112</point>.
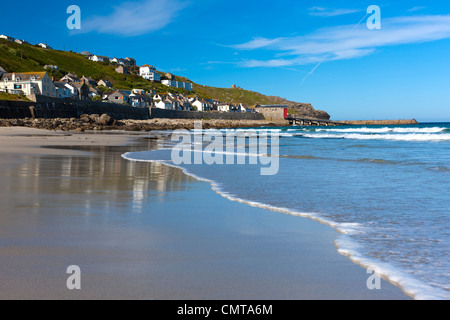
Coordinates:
<point>320,52</point>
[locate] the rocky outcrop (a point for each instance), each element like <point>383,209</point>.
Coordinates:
<point>104,122</point>
<point>306,110</point>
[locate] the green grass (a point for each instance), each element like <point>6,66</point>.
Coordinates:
<point>237,95</point>
<point>12,97</point>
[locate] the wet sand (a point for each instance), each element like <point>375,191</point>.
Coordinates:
<point>148,231</point>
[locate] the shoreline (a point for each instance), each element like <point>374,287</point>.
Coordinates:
<point>106,123</point>
<point>321,261</point>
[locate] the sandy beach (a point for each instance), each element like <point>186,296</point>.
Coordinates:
<point>148,231</point>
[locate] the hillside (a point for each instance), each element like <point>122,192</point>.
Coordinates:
<point>26,58</point>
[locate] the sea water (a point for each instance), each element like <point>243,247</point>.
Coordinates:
<point>386,189</point>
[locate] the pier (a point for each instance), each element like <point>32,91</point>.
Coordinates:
<point>294,120</point>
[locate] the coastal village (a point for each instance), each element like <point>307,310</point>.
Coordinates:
<point>81,87</point>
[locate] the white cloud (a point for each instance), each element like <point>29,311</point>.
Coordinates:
<point>414,9</point>
<point>135,18</point>
<point>348,42</point>
<point>256,43</point>
<point>325,12</point>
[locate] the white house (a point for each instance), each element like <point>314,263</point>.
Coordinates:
<point>27,83</point>
<point>2,36</point>
<point>241,108</point>
<point>163,104</point>
<point>118,61</point>
<point>45,46</point>
<point>224,107</point>
<point>201,105</point>
<point>169,83</point>
<point>149,73</point>
<point>97,58</point>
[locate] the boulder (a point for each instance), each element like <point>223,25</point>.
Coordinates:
<point>106,120</point>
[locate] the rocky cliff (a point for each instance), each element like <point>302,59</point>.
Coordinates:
<point>306,110</point>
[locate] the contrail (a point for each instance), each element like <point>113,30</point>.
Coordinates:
<point>311,72</point>
<point>318,65</point>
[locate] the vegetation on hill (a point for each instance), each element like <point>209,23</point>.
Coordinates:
<point>26,58</point>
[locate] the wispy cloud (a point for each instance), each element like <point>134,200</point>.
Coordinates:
<point>347,42</point>
<point>135,18</point>
<point>414,9</point>
<point>326,12</point>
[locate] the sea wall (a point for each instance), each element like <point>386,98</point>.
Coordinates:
<point>175,114</point>
<point>67,108</point>
<point>51,108</point>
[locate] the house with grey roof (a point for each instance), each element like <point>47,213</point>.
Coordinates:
<point>122,69</point>
<point>65,90</point>
<point>120,97</point>
<point>130,61</point>
<point>83,90</point>
<point>27,83</point>
<point>105,83</point>
<point>89,81</point>
<point>87,54</point>
<point>21,41</point>
<point>70,77</point>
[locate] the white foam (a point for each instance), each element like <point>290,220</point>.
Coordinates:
<point>386,130</point>
<point>345,245</point>
<point>410,286</point>
<point>394,137</point>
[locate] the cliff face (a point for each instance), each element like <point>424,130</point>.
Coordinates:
<point>306,110</point>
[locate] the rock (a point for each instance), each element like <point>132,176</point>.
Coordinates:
<point>106,120</point>
<point>306,110</point>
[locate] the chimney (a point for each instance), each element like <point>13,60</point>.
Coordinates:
<point>13,77</point>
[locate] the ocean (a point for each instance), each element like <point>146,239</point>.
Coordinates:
<point>385,189</point>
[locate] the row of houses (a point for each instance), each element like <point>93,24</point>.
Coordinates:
<point>129,62</point>
<point>146,71</point>
<point>86,88</point>
<point>42,44</point>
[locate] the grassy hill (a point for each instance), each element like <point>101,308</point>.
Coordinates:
<point>25,58</point>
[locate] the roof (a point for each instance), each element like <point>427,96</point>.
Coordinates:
<point>272,106</point>
<point>2,70</point>
<point>23,75</point>
<point>60,83</point>
<point>78,85</point>
<point>105,82</point>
